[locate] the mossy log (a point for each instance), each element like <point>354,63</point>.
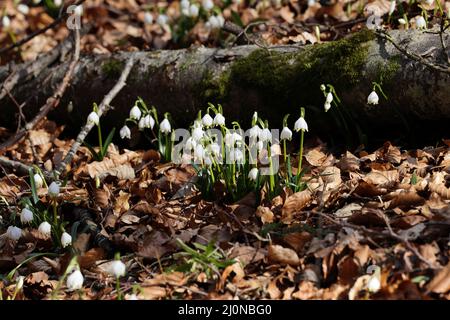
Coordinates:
<point>274,81</point>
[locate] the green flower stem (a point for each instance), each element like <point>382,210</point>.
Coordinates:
<point>100,139</point>
<point>55,213</point>
<point>300,156</point>
<point>119,293</point>
<point>272,176</point>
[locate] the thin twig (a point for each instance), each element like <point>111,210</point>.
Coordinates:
<point>102,109</point>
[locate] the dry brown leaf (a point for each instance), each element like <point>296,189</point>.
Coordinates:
<point>295,203</point>
<point>315,157</point>
<point>297,240</point>
<point>441,281</point>
<point>285,256</point>
<point>382,178</point>
<point>265,214</point>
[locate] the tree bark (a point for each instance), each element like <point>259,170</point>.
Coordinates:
<point>274,81</point>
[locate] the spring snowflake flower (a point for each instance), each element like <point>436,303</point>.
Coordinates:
<point>219,120</point>
<point>38,182</point>
<point>207,4</point>
<point>162,20</point>
<point>132,296</point>
<point>373,98</point>
<point>148,18</point>
<point>53,190</point>
<point>75,280</point>
<point>185,4</point>
<point>135,113</point>
<point>199,152</point>
<point>117,269</point>
<point>197,134</point>
<point>214,149</point>
<point>146,122</point>
<point>45,228</point>
<point>300,124</point>
<point>193,11</point>
<point>23,8</point>
<point>14,233</point>
<point>190,143</point>
<point>125,132</point>
<point>57,3</point>
<point>26,216</point>
<point>286,134</point>
<point>165,127</point>
<point>329,98</point>
<point>253,174</point>
<point>402,21</point>
<point>265,135</point>
<point>420,22</point>
<point>93,118</point>
<point>327,106</point>
<point>373,285</point>
<point>254,132</point>
<point>207,120</point>
<point>6,22</point>
<point>79,10</point>
<point>19,281</point>
<point>236,155</point>
<point>66,239</point>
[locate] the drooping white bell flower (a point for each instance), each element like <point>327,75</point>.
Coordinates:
<point>207,160</point>
<point>392,7</point>
<point>236,155</point>
<point>135,113</point>
<point>402,21</point>
<point>193,11</point>
<point>148,18</point>
<point>23,8</point>
<point>117,269</point>
<point>197,134</point>
<point>131,297</point>
<point>214,148</point>
<point>275,150</point>
<point>26,216</point>
<point>190,143</point>
<point>6,22</point>
<point>93,118</point>
<point>429,2</point>
<point>146,122</point>
<point>53,190</point>
<point>162,19</point>
<point>221,20</point>
<point>300,124</point>
<point>38,181</point>
<point>57,3</point>
<point>421,22</point>
<point>75,280</point>
<point>125,132</point>
<point>373,98</point>
<point>45,228</point>
<point>253,174</point>
<point>260,145</point>
<point>207,4</point>
<point>207,120</point>
<point>14,233</point>
<point>373,285</point>
<point>286,134</point>
<point>79,10</point>
<point>219,120</point>
<point>165,126</point>
<point>329,98</point>
<point>265,135</point>
<point>184,4</point>
<point>19,282</point>
<point>199,152</point>
<point>254,132</point>
<point>66,239</point>
<point>327,106</point>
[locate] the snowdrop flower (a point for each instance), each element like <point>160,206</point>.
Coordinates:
<point>125,132</point>
<point>14,233</point>
<point>254,132</point>
<point>23,8</point>
<point>38,182</point>
<point>219,120</point>
<point>214,148</point>
<point>190,143</point>
<point>66,239</point>
<point>207,120</point>
<point>79,10</point>
<point>286,134</point>
<point>185,4</point>
<point>75,280</point>
<point>93,118</point>
<point>6,22</point>
<point>253,174</point>
<point>135,113</point>
<point>207,4</point>
<point>162,20</point>
<point>197,133</point>
<point>132,296</point>
<point>53,190</point>
<point>148,18</point>
<point>373,285</point>
<point>420,22</point>
<point>199,152</point>
<point>146,122</point>
<point>193,11</point>
<point>165,127</point>
<point>26,216</point>
<point>19,282</point>
<point>327,106</point>
<point>265,135</point>
<point>45,228</point>
<point>402,21</point>
<point>392,7</point>
<point>300,124</point>
<point>329,98</point>
<point>236,155</point>
<point>373,98</point>
<point>57,3</point>
<point>117,269</point>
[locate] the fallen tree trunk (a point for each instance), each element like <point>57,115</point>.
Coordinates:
<point>274,81</point>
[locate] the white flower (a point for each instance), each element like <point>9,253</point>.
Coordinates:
<point>165,127</point>
<point>254,132</point>
<point>286,134</point>
<point>185,4</point>
<point>275,150</point>
<point>215,22</point>
<point>322,87</point>
<point>402,21</point>
<point>6,22</point>
<point>373,98</point>
<point>327,106</point>
<point>125,132</point>
<point>236,155</point>
<point>300,124</point>
<point>53,189</point>
<point>45,228</point>
<point>420,22</point>
<point>162,20</point>
<point>117,269</point>
<point>329,98</point>
<point>193,11</point>
<point>207,4</point>
<point>190,143</point>
<point>232,138</point>
<point>66,239</point>
<point>93,118</point>
<point>253,174</point>
<point>23,8</point>
<point>197,133</point>
<point>207,160</point>
<point>429,2</point>
<point>57,3</point>
<point>132,296</point>
<point>26,216</point>
<point>392,7</point>
<point>135,113</point>
<point>146,122</point>
<point>265,135</point>
<point>14,233</point>
<point>373,285</point>
<point>19,282</point>
<point>221,20</point>
<point>214,148</point>
<point>148,18</point>
<point>207,120</point>
<point>38,182</point>
<point>199,152</point>
<point>219,120</point>
<point>79,10</point>
<point>260,145</point>
<point>75,280</point>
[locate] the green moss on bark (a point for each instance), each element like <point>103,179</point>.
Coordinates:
<point>112,68</point>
